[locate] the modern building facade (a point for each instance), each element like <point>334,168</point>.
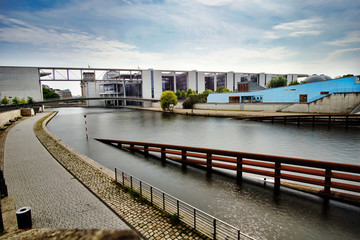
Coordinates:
<point>302,93</point>
<point>137,83</point>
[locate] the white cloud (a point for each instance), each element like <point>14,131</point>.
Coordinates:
<point>215,2</point>
<point>339,52</point>
<point>304,27</point>
<point>351,37</point>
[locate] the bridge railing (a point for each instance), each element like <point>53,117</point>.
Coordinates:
<point>193,217</point>
<point>329,178</point>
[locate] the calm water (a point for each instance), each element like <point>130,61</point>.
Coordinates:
<point>252,207</point>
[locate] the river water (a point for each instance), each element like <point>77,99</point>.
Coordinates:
<point>253,207</point>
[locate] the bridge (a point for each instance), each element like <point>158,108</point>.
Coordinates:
<point>5,108</point>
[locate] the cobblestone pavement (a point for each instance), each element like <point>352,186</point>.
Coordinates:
<point>56,198</point>
<point>148,221</point>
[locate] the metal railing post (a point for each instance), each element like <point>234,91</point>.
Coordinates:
<point>123,178</point>
<point>194,218</point>
<point>115,175</point>
<point>177,207</point>
<point>140,190</point>
<point>163,154</point>
<point>151,195</point>
<point>131,183</point>
<point>214,228</point>
<point>163,194</point>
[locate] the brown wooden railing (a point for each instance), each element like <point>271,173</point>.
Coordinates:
<point>343,120</point>
<point>330,176</point>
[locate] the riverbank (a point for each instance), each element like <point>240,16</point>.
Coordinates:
<point>219,113</point>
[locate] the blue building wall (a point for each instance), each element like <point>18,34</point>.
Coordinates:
<point>291,94</point>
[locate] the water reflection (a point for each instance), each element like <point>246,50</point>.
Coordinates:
<point>252,206</point>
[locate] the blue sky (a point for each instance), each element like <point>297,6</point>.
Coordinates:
<point>219,35</point>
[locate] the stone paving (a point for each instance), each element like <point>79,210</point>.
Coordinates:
<point>148,221</point>
<point>57,200</point>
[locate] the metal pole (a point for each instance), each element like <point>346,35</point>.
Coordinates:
<point>214,228</point>
<point>163,201</point>
<point>131,184</point>
<point>151,195</point>
<point>86,130</point>
<point>115,174</point>
<point>177,206</point>
<point>140,190</point>
<point>123,178</point>
<point>194,218</point>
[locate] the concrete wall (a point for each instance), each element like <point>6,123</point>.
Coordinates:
<point>334,103</point>
<point>191,81</point>
<point>10,115</point>
<point>20,82</point>
<point>157,84</point>
<point>241,106</point>
<point>201,82</point>
<point>146,83</point>
<point>229,84</point>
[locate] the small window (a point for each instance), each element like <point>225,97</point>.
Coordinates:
<point>234,99</point>
<point>357,79</point>
<point>324,93</point>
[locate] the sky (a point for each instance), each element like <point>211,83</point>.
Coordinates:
<point>295,36</point>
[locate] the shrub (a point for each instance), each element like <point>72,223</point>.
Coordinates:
<point>178,93</point>
<point>174,218</point>
<point>279,81</point>
<point>23,101</point>
<point>221,90</point>
<point>30,100</point>
<point>183,94</point>
<point>167,98</point>
<point>188,104</point>
<point>15,101</point>
<point>295,82</point>
<point>5,100</point>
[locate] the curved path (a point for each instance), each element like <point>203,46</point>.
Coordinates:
<point>57,200</point>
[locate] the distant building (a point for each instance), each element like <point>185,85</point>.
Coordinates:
<point>66,94</point>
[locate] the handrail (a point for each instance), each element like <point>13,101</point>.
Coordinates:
<point>327,175</point>
<point>201,221</point>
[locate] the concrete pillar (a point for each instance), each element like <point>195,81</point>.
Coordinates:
<point>146,83</point>
<point>229,83</point>
<point>192,80</point>
<point>201,82</point>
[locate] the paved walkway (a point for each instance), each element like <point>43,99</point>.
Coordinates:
<point>36,179</point>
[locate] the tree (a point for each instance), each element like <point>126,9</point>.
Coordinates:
<point>183,94</point>
<point>189,92</point>
<point>178,93</point>
<point>295,82</point>
<point>48,94</point>
<point>30,100</point>
<point>279,81</point>
<point>15,101</point>
<point>23,101</point>
<point>167,98</point>
<point>5,100</point>
<point>222,90</point>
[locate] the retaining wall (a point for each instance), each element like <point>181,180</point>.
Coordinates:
<point>273,107</point>
<point>10,115</point>
<point>335,103</point>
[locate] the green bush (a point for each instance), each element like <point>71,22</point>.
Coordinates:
<point>295,82</point>
<point>174,218</point>
<point>279,81</point>
<point>167,98</point>
<point>222,90</point>
<point>48,94</point>
<point>178,93</point>
<point>23,101</point>
<point>30,100</point>
<point>5,100</point>
<point>188,104</point>
<point>15,101</point>
<point>182,94</point>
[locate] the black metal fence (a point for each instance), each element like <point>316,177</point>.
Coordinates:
<point>193,217</point>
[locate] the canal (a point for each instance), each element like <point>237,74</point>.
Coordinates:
<point>252,207</point>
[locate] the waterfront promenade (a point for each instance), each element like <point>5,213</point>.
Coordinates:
<point>34,178</point>
<point>60,200</point>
